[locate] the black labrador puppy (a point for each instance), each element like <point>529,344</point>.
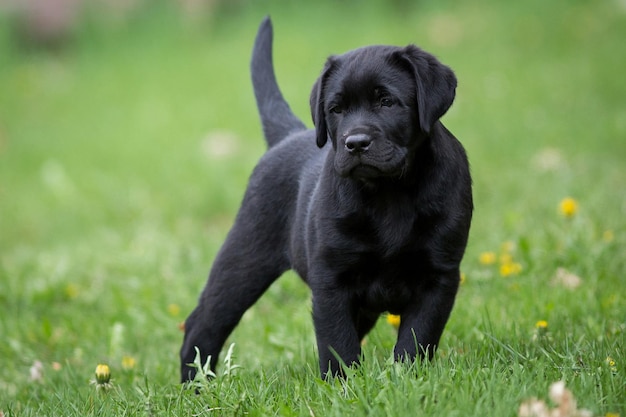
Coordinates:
<point>376,220</point>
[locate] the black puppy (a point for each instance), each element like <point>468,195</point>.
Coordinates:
<point>375,221</point>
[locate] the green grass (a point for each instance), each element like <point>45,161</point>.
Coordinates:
<point>123,160</point>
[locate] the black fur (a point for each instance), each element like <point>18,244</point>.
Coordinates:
<point>375,221</point>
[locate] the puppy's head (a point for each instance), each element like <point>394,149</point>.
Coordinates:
<point>377,104</point>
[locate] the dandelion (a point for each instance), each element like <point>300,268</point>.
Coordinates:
<point>611,415</point>
<point>610,362</point>
<point>173,309</point>
<point>568,207</point>
<point>504,259</point>
<point>103,377</point>
<point>608,236</point>
<point>541,330</point>
<point>487,258</point>
<point>394,320</point>
<point>510,268</point>
<point>128,362</point>
<point>462,278</point>
<point>507,264</point>
<point>103,374</point>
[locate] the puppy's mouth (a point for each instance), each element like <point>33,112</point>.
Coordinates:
<point>360,170</point>
<point>368,167</point>
<point>365,172</point>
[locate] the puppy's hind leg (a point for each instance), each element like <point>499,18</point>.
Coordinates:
<point>247,264</point>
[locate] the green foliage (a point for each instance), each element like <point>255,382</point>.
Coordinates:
<point>123,158</point>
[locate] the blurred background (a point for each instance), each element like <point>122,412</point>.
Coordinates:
<point>104,103</point>
<point>128,130</point>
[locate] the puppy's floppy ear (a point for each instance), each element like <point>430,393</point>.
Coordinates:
<point>317,102</point>
<point>435,84</point>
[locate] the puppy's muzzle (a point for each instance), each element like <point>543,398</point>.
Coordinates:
<point>358,143</point>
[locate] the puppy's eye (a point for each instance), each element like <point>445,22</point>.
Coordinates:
<point>335,109</point>
<point>386,102</point>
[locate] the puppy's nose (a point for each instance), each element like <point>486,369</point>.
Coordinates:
<point>357,143</point>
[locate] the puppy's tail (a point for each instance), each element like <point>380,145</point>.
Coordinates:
<point>277,118</point>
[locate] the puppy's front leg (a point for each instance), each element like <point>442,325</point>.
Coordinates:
<point>423,320</point>
<point>335,330</point>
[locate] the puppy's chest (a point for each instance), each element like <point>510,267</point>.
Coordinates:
<point>386,233</point>
<point>379,263</point>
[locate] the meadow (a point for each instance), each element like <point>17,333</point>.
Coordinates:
<point>124,156</point>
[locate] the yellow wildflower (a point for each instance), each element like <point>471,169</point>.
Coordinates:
<point>507,247</point>
<point>487,258</point>
<point>541,330</point>
<point>173,309</point>
<point>568,207</point>
<point>462,278</point>
<point>103,379</point>
<point>611,364</point>
<point>611,415</point>
<point>128,362</point>
<point>103,374</point>
<point>608,236</point>
<point>394,320</point>
<point>510,268</point>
